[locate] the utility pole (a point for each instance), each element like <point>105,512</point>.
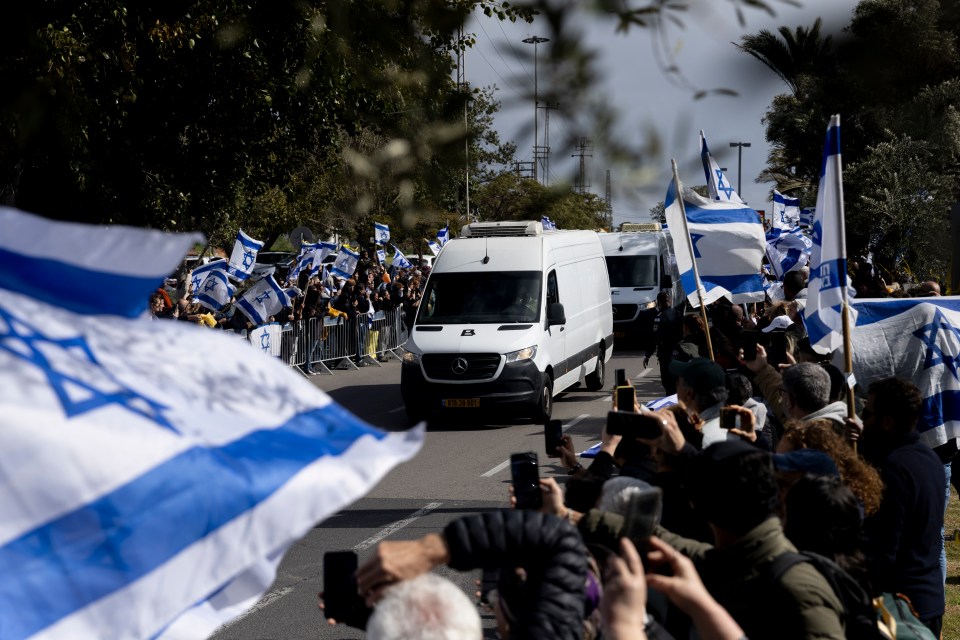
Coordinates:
<point>535,40</point>
<point>609,202</point>
<point>541,154</point>
<point>464,90</point>
<point>523,169</point>
<point>740,146</point>
<point>585,145</point>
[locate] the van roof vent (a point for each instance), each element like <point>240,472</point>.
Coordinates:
<point>640,226</point>
<point>502,229</point>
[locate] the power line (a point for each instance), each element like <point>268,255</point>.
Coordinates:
<point>516,53</point>
<point>494,69</point>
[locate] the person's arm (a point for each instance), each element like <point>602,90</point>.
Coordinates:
<point>882,530</point>
<point>768,380</point>
<point>685,590</point>
<point>624,601</point>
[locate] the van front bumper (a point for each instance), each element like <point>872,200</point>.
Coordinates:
<point>636,325</point>
<point>515,393</point>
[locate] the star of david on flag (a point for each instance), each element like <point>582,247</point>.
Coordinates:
<point>216,291</point>
<point>787,250</point>
<point>548,224</point>
<point>727,242</point>
<point>148,495</point>
<point>243,257</point>
<point>262,300</point>
<point>381,233</point>
<point>399,260</point>
<point>346,263</point>
<point>266,338</point>
<point>717,185</point>
<point>786,211</point>
<point>381,256</point>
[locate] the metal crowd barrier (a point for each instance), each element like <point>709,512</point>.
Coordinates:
<point>322,345</point>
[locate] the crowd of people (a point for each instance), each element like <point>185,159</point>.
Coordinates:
<point>785,521</point>
<point>372,288</point>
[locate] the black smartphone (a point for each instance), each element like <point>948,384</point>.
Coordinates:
<point>642,515</point>
<point>552,434</point>
<point>749,343</point>
<point>729,418</point>
<point>621,377</point>
<point>635,425</point>
<point>525,472</point>
<point>626,397</point>
<point>777,351</point>
<point>340,598</point>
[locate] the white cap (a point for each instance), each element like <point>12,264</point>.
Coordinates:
<point>780,322</point>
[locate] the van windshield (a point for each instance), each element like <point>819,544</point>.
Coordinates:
<point>632,271</point>
<point>488,297</point>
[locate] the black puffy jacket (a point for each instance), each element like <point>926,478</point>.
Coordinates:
<point>551,552</point>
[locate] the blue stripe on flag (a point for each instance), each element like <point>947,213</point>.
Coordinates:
<point>103,553</point>
<point>747,283</point>
<point>249,243</point>
<point>817,329</point>
<point>830,148</point>
<point>251,312</point>
<point>871,311</point>
<point>696,215</point>
<point>210,303</point>
<point>830,272</point>
<point>75,288</point>
<point>939,409</point>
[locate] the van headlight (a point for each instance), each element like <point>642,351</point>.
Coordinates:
<point>523,354</point>
<point>409,357</point>
<point>648,305</point>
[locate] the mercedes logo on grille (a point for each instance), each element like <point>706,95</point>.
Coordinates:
<point>459,366</point>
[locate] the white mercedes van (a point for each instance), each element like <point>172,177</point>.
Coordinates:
<point>511,316</point>
<point>640,264</point>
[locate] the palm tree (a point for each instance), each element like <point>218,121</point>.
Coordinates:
<point>792,55</point>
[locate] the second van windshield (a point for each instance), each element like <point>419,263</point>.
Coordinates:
<point>482,297</point>
<point>632,271</point>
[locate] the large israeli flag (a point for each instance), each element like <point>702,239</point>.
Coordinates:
<point>443,235</point>
<point>786,211</point>
<point>728,245</point>
<point>717,185</point>
<point>381,233</point>
<point>346,263</point>
<point>215,290</point>
<point>917,339</point>
<point>243,257</point>
<point>787,250</point>
<point>399,260</point>
<point>262,300</point>
<point>826,286</point>
<point>146,496</point>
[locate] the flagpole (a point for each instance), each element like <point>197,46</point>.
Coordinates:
<point>701,292</point>
<point>845,304</point>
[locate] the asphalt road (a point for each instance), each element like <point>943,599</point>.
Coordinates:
<point>461,469</point>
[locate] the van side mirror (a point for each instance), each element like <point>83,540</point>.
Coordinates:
<point>666,281</point>
<point>556,314</point>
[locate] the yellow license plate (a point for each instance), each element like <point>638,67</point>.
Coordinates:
<point>461,403</point>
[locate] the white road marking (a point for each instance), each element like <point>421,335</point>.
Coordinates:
<point>396,526</point>
<point>264,602</point>
<point>503,465</point>
<point>644,373</point>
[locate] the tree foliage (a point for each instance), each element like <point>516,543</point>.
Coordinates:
<point>895,79</point>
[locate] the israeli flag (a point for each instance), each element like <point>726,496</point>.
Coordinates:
<point>806,217</point>
<point>399,260</point>
<point>323,249</point>
<point>216,290</point>
<point>786,211</point>
<point>304,260</point>
<point>728,245</point>
<point>381,256</point>
<point>717,185</point>
<point>199,274</point>
<point>381,233</point>
<point>243,257</point>
<point>442,236</point>
<point>917,339</point>
<point>346,263</point>
<point>826,286</point>
<point>262,300</point>
<point>787,250</point>
<point>266,338</point>
<point>434,247</point>
<point>145,496</point>
<point>548,224</point>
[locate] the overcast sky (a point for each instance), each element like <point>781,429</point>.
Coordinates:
<point>646,99</point>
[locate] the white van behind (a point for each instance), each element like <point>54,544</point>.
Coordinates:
<point>640,264</point>
<point>510,317</point>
